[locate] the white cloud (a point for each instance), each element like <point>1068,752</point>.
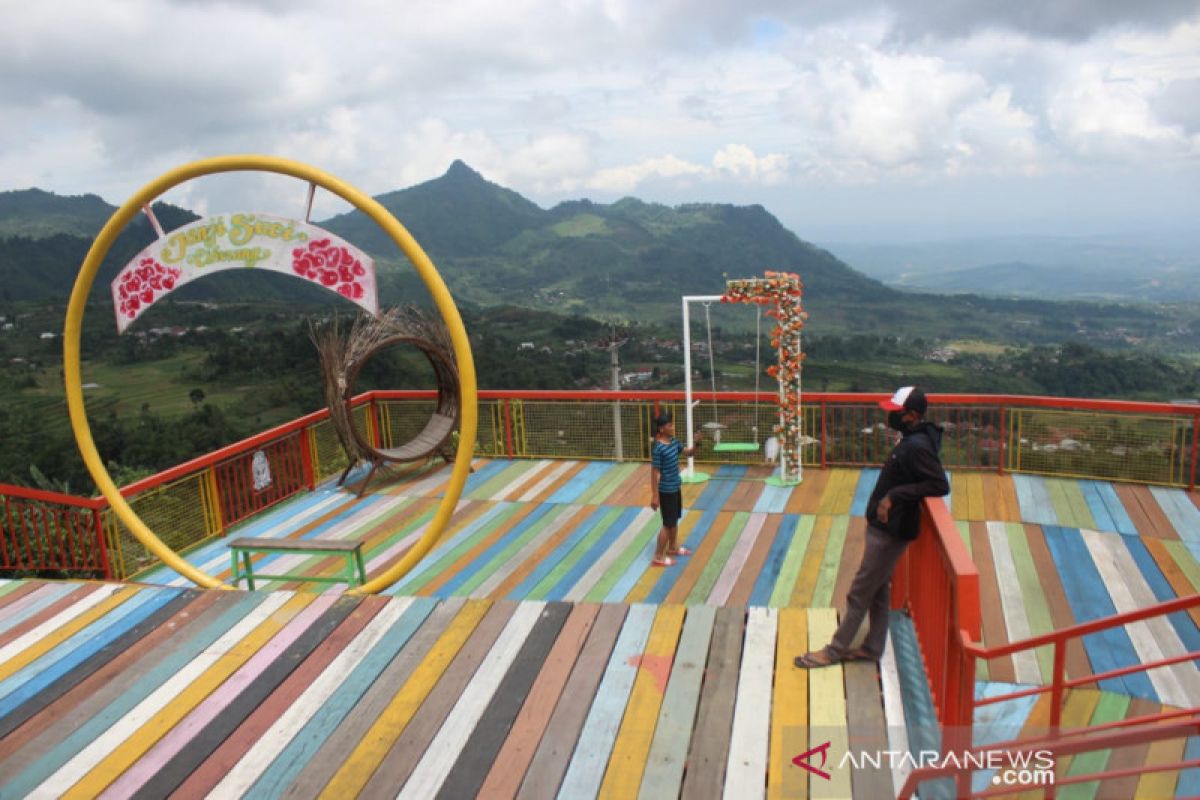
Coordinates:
<point>597,96</point>
<point>627,178</point>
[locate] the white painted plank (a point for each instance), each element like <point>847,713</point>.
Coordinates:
<point>749,745</point>
<point>85,760</point>
<point>446,747</point>
<point>1143,636</point>
<point>1012,603</point>
<point>259,757</point>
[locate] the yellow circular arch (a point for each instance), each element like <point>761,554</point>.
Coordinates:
<point>468,422</point>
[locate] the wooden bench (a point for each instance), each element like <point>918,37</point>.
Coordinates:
<point>354,574</point>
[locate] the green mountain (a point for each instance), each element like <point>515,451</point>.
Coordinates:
<point>35,214</point>
<point>627,259</point>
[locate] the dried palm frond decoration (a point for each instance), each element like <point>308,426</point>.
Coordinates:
<point>342,357</point>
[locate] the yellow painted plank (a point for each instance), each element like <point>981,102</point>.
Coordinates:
<point>64,632</point>
<point>1077,713</point>
<point>645,584</point>
<point>958,495</point>
<point>810,569</point>
<point>627,763</point>
<point>360,764</point>
<point>133,748</point>
<point>827,709</point>
<point>975,504</point>
<point>1160,784</point>
<point>789,708</point>
<point>839,493</point>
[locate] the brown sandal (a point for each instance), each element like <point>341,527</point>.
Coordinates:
<point>815,660</point>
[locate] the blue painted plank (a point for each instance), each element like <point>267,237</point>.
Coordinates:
<point>469,571</point>
<point>1116,509</point>
<point>429,562</point>
<point>1188,784</point>
<point>559,553</point>
<point>718,494</point>
<point>1097,506</point>
<point>862,493</point>
<point>573,489</point>
<point>295,756</point>
<point>178,656</point>
<point>598,548</point>
<point>998,722</point>
<point>39,599</point>
<point>586,770</point>
<point>761,595</point>
<point>635,570</point>
<point>771,497</point>
<point>1182,512</point>
<point>1089,599</point>
<point>74,650</point>
<point>1034,498</point>
<point>1183,623</point>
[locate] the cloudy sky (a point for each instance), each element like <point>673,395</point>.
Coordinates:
<point>849,120</point>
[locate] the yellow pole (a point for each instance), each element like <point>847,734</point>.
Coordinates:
<point>380,215</point>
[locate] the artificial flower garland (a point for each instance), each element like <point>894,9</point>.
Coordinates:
<point>783,291</point>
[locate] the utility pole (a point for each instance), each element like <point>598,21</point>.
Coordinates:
<point>615,363</point>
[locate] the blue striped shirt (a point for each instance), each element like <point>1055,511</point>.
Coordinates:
<point>665,459</point>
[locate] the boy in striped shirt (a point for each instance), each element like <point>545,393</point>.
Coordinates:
<point>666,488</point>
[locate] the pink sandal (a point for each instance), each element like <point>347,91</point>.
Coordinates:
<point>681,551</point>
<point>665,561</point>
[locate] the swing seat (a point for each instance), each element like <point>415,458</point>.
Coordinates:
<point>736,447</point>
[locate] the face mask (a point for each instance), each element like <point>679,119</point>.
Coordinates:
<point>895,421</point>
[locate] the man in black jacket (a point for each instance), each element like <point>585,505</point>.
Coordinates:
<point>912,471</point>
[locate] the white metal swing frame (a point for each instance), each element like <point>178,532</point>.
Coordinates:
<point>691,475</point>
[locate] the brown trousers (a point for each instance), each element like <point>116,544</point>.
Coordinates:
<point>870,595</point>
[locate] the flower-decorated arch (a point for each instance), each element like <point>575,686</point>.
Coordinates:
<point>783,292</point>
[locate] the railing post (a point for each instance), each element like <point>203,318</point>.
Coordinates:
<point>508,428</point>
<point>1195,450</point>
<point>1002,439</point>
<point>824,436</point>
<point>306,458</point>
<point>98,530</point>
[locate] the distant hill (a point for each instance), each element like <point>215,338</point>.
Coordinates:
<point>35,214</point>
<point>1154,269</point>
<point>629,258</point>
<point>628,261</point>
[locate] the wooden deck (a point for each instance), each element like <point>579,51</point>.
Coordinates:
<point>120,691</point>
<point>535,652</point>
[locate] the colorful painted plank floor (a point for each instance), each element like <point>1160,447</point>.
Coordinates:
<point>535,652</point>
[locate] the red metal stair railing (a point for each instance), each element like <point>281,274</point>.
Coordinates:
<point>1147,728</point>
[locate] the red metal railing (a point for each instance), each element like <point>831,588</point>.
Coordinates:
<point>1141,729</point>
<point>937,582</point>
<point>981,434</point>
<point>51,531</point>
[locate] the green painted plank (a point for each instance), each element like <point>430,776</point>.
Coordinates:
<point>1186,561</point>
<point>501,480</point>
<point>785,582</point>
<point>964,530</point>
<point>1110,708</point>
<point>673,732</point>
<point>429,573</point>
<point>716,561</point>
<point>622,564</point>
<point>1037,610</point>
<point>827,577</point>
<point>500,559</point>
<point>1058,499</point>
<point>577,552</point>
<point>608,484</point>
<point>1080,512</point>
